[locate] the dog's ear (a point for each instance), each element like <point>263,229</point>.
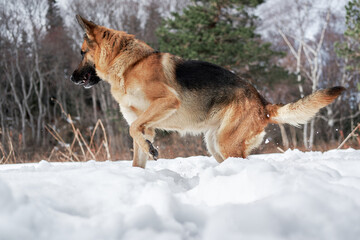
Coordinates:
<point>88,26</point>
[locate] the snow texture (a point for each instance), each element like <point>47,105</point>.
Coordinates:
<point>294,195</point>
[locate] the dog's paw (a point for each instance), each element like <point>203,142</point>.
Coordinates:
<point>152,150</point>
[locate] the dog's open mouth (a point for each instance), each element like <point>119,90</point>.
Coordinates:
<point>86,81</point>
<point>85,77</point>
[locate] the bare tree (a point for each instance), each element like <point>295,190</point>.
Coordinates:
<point>14,72</point>
<point>296,23</point>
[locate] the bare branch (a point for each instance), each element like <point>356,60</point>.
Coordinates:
<point>295,54</point>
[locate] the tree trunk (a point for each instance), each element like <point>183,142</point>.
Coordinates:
<point>39,90</point>
<point>293,136</point>
<point>40,115</point>
<point>11,79</point>
<point>2,125</point>
<point>305,138</point>
<point>108,126</point>
<point>312,134</point>
<point>94,103</point>
<point>331,122</point>
<point>284,137</point>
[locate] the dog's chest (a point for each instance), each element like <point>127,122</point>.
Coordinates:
<point>132,104</point>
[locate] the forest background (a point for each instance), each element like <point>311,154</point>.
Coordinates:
<point>287,49</point>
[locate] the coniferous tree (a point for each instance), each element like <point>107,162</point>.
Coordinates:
<point>349,49</point>
<point>221,32</point>
<point>58,59</point>
<point>56,36</point>
<point>53,18</point>
<point>152,23</point>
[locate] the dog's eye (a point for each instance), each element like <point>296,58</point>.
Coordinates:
<point>82,53</point>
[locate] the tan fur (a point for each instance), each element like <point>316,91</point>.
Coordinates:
<point>145,86</point>
<point>303,110</point>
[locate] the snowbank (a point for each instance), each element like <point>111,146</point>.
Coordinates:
<point>294,195</point>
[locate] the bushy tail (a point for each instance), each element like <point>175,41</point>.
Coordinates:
<point>303,110</point>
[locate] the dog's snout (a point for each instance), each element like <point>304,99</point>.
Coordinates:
<point>85,76</point>
<point>74,79</point>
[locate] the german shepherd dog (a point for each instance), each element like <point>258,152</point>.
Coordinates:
<point>162,91</point>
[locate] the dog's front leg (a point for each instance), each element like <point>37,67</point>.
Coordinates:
<point>140,157</point>
<point>159,110</point>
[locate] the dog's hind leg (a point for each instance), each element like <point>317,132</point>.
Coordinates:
<point>239,141</point>
<point>231,145</point>
<point>212,145</point>
<point>241,130</point>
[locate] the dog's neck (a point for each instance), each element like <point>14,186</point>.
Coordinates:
<point>126,52</point>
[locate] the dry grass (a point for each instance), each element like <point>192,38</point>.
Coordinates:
<point>10,156</point>
<point>76,145</point>
<point>351,141</point>
<point>174,145</point>
<point>352,134</point>
<point>80,149</point>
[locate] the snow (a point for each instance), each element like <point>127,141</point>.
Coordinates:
<point>293,195</point>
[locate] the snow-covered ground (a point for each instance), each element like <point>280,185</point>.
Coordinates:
<point>294,195</point>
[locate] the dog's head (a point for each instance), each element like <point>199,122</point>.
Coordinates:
<point>85,75</point>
